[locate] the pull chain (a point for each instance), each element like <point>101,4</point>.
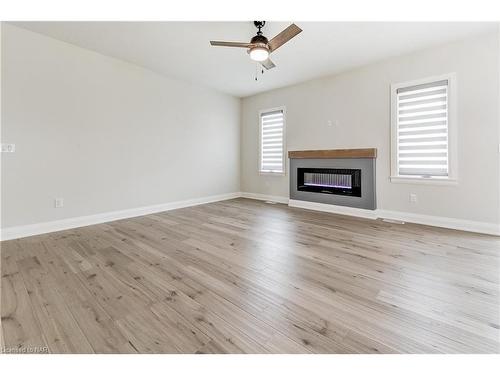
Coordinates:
<point>257,73</point>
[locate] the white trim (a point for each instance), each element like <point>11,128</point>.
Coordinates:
<point>423,181</point>
<point>443,222</point>
<point>265,197</point>
<point>435,221</point>
<point>342,210</point>
<point>75,222</point>
<point>269,173</point>
<point>452,128</point>
<point>81,221</point>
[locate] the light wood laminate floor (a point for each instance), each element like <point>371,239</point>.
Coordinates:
<point>243,276</point>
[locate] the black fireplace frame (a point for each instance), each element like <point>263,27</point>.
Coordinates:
<point>354,191</point>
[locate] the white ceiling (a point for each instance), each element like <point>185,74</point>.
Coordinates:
<point>182,49</point>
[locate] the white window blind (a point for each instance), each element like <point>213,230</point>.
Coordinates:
<point>272,147</point>
<point>422,130</point>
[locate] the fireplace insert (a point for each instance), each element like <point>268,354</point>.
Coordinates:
<point>330,181</point>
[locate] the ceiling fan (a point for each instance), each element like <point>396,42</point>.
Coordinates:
<point>260,47</point>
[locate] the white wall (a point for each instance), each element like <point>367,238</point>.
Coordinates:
<point>360,101</point>
<point>104,134</point>
<point>107,135</point>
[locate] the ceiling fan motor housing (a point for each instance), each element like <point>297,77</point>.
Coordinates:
<point>259,40</point>
<point>259,50</point>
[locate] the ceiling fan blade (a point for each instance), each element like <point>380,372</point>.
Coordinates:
<point>284,37</point>
<point>230,44</point>
<point>268,64</point>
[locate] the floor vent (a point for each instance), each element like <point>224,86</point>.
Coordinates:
<point>393,221</point>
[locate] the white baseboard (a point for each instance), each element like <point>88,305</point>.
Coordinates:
<point>342,210</point>
<point>265,197</point>
<point>11,233</point>
<point>443,222</point>
<point>437,221</point>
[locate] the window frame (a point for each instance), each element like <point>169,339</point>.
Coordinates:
<point>452,178</point>
<point>271,173</point>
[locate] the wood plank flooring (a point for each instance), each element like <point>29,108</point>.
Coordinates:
<point>243,276</point>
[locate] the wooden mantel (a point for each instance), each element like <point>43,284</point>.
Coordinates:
<point>349,153</point>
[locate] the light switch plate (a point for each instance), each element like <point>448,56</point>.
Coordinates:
<point>8,147</point>
<point>59,202</point>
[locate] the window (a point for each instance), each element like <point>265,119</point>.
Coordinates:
<point>272,129</point>
<point>421,123</point>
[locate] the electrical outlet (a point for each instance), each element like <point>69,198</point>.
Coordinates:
<point>8,147</point>
<point>413,198</point>
<point>59,202</point>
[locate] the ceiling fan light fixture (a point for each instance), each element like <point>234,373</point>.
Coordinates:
<point>259,53</point>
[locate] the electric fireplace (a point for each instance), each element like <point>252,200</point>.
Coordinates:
<point>342,177</point>
<point>330,181</point>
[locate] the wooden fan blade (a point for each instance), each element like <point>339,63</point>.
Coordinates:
<point>268,64</point>
<point>284,37</point>
<point>230,44</point>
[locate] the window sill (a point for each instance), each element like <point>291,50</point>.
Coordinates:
<point>423,181</point>
<point>264,173</point>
